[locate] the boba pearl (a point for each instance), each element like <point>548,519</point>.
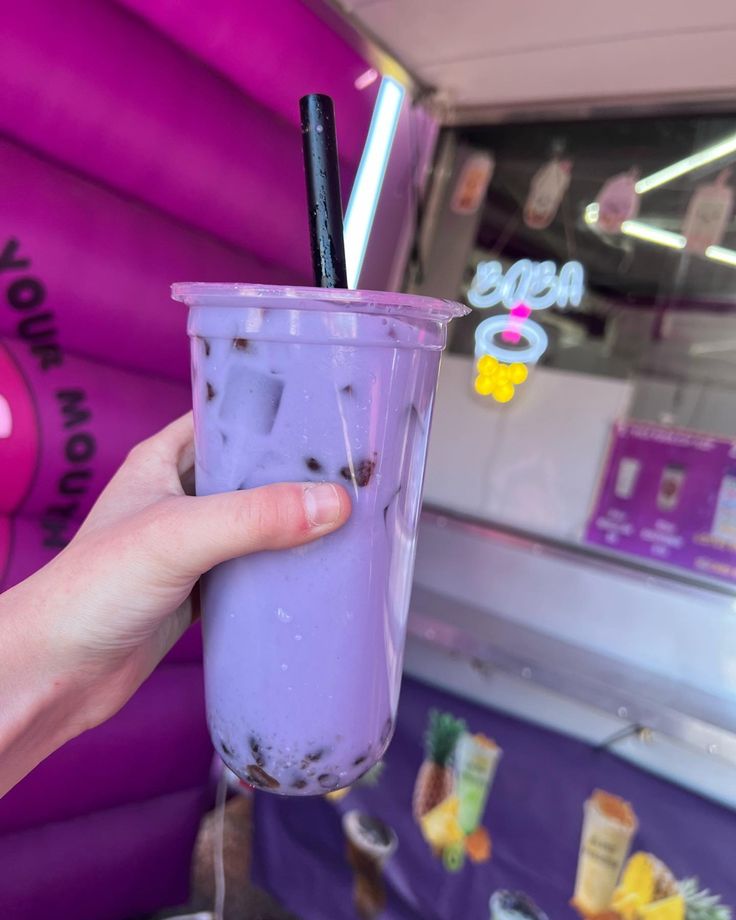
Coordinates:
<point>484,385</point>
<point>518,373</point>
<point>504,392</point>
<point>487,364</point>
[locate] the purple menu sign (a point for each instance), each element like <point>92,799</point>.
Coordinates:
<point>669,496</point>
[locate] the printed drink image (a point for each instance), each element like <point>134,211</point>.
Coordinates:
<point>476,759</point>
<point>609,825</point>
<point>370,844</point>
<point>513,905</point>
<point>304,647</point>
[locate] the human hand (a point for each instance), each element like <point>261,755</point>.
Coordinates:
<point>91,625</point>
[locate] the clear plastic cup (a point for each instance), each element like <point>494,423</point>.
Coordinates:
<point>304,647</point>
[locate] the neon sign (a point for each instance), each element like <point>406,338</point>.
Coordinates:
<point>489,332</point>
<point>536,284</point>
<point>504,345</point>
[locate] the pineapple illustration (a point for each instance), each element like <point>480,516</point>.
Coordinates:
<point>649,891</point>
<point>665,884</point>
<point>435,780</point>
<point>700,904</point>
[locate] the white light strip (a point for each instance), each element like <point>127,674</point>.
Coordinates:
<point>702,158</point>
<point>652,234</point>
<point>369,178</point>
<point>719,254</point>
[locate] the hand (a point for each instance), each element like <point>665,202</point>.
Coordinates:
<point>80,636</point>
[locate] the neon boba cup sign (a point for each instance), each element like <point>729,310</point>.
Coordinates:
<point>523,289</point>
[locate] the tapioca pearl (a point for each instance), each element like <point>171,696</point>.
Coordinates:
<point>255,748</point>
<point>225,749</point>
<point>258,777</point>
<point>361,472</point>
<point>328,780</point>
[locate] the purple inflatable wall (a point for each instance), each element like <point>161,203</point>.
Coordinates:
<point>140,143</point>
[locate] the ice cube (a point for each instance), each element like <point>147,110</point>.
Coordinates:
<point>250,399</point>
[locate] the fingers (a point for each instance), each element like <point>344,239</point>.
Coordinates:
<point>174,444</point>
<point>153,468</point>
<point>190,535</point>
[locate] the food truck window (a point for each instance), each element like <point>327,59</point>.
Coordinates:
<point>599,258</point>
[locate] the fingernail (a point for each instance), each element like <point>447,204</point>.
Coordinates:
<point>322,504</point>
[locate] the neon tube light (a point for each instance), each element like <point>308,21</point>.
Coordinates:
<point>720,254</point>
<point>371,172</point>
<point>650,234</point>
<point>681,167</point>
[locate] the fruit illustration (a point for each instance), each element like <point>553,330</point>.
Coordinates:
<point>700,904</point>
<point>478,845</point>
<point>649,891</point>
<point>645,881</point>
<point>440,826</point>
<point>453,857</point>
<point>435,780</point>
<point>672,908</point>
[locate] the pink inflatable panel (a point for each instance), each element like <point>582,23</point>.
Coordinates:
<point>102,265</point>
<point>170,711</point>
<point>176,134</point>
<point>110,865</point>
<point>68,424</point>
<point>317,59</point>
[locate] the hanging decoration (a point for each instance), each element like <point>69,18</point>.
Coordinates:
<point>546,191</point>
<point>708,214</point>
<point>617,201</point>
<point>472,184</point>
<point>506,343</point>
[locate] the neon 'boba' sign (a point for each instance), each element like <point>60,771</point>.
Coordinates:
<point>537,284</point>
<point>523,288</point>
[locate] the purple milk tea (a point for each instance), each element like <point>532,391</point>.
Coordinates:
<point>304,647</point>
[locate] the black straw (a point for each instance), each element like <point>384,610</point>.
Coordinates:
<point>323,191</point>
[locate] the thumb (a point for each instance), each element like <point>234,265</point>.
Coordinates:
<point>195,533</point>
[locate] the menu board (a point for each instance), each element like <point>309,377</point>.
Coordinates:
<point>669,495</point>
